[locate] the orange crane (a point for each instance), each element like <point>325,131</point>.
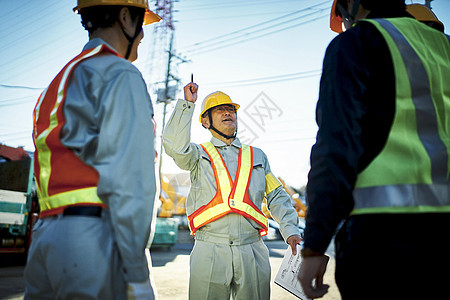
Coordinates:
<point>172,202</point>
<point>297,201</point>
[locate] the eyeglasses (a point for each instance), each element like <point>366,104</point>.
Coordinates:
<point>225,108</point>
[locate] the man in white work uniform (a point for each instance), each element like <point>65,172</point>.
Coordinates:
<point>229,181</point>
<point>94,165</point>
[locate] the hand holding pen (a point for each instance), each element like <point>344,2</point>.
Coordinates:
<point>190,91</point>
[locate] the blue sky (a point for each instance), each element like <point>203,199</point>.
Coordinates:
<point>267,55</point>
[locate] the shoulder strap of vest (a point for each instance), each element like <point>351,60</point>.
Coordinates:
<point>219,168</point>
<point>50,103</point>
<point>245,166</point>
<point>59,82</point>
<point>427,127</point>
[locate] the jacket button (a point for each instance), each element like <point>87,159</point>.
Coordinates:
<point>231,242</point>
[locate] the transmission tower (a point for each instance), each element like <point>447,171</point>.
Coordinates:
<point>162,32</point>
<point>164,81</point>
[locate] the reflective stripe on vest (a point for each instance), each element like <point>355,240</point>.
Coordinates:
<point>411,174</point>
<point>62,179</point>
<point>230,197</point>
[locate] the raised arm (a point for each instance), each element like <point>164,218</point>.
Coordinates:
<point>177,134</point>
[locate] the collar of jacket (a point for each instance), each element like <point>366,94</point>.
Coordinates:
<point>218,143</point>
<point>97,42</point>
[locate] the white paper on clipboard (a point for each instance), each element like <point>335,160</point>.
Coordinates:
<point>287,276</point>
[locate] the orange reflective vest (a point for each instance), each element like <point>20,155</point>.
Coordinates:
<point>231,197</point>
<point>62,179</point>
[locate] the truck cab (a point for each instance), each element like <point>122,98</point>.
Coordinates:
<point>18,200</point>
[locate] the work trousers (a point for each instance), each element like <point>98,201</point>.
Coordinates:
<point>221,268</point>
<point>74,257</point>
<point>393,256</point>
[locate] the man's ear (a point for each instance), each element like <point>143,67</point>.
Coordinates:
<point>205,122</point>
<point>125,21</point>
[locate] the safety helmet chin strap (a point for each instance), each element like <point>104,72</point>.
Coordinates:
<point>218,132</point>
<point>345,13</point>
<point>132,39</point>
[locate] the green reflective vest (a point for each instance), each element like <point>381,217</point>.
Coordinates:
<point>411,173</point>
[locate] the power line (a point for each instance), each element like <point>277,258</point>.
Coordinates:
<point>20,100</point>
<point>20,87</point>
<point>30,21</point>
<point>16,98</point>
<point>32,55</point>
<point>181,20</point>
<point>227,35</point>
<point>246,39</point>
<point>232,4</point>
<point>268,79</point>
<point>3,104</point>
<point>17,101</point>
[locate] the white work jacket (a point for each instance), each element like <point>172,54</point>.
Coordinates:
<point>190,156</point>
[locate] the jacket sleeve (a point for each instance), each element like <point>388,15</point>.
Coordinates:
<point>109,126</point>
<point>337,148</point>
<point>177,136</point>
<point>354,113</point>
<point>280,205</point>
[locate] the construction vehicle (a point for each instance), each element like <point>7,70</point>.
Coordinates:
<point>18,200</point>
<point>300,208</point>
<point>171,215</point>
<point>172,203</point>
<point>172,211</point>
<point>297,200</point>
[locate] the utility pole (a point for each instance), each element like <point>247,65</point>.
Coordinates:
<point>169,91</point>
<point>166,100</point>
<point>428,3</point>
<point>162,40</point>
<point>163,34</point>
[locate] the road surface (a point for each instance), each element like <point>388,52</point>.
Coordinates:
<point>170,272</point>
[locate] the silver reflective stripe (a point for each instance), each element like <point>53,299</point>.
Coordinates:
<point>405,195</point>
<point>427,127</point>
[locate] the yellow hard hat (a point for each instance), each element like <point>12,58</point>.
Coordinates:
<point>423,14</point>
<point>216,99</point>
<point>149,17</point>
<point>335,19</point>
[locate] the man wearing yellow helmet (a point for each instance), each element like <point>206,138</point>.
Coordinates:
<point>219,102</point>
<point>381,162</point>
<point>229,181</point>
<point>94,165</point>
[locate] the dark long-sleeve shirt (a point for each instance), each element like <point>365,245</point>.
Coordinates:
<point>354,113</point>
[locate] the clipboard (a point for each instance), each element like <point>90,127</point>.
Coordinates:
<point>287,275</point>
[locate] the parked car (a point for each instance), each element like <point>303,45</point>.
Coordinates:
<point>301,225</point>
<point>274,230</point>
<point>273,233</point>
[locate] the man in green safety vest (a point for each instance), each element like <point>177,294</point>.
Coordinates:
<point>380,166</point>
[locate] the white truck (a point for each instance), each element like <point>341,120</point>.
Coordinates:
<point>18,200</point>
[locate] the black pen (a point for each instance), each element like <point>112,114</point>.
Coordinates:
<point>192,81</point>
